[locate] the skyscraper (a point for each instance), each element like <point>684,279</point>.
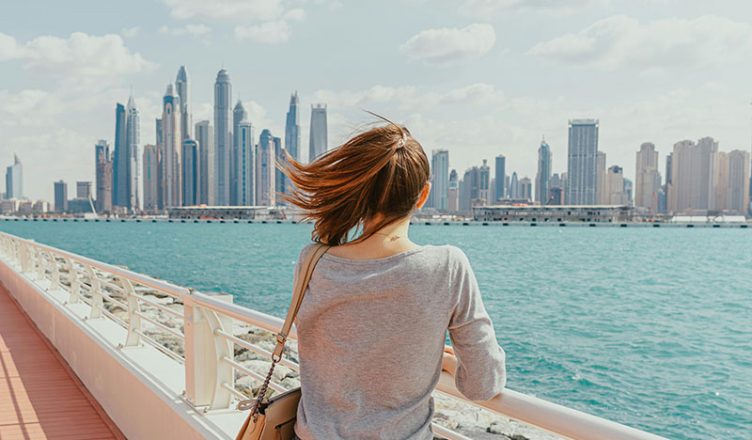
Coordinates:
<point>542,184</point>
<point>484,183</point>
<point>440,180</point>
<point>170,185</point>
<point>691,190</point>
<point>453,197</point>
<point>318,140</point>
<point>120,159</point>
<point>103,176</point>
<point>514,187</point>
<point>265,191</point>
<point>245,171</point>
<point>61,196</point>
<point>222,137</point>
<point>737,196</point>
<point>132,140</point>
<point>280,180</point>
<point>292,127</point>
<point>191,172</point>
<point>581,157</point>
<point>14,180</point>
<point>500,177</point>
<point>207,163</point>
<point>239,116</point>
<point>601,192</point>
<point>181,86</point>
<point>83,190</point>
<point>151,178</point>
<point>614,187</point>
<point>526,188</point>
<point>647,179</point>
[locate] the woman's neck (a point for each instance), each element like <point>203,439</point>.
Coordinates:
<point>390,240</point>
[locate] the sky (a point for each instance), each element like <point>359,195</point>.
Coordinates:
<point>476,77</point>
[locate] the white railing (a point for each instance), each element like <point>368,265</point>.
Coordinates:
<point>199,331</point>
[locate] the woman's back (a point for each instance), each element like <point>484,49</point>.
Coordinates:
<point>371,337</point>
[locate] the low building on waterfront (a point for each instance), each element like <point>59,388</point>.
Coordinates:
<point>554,213</point>
<point>228,212</point>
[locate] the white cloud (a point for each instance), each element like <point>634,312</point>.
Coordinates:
<point>624,42</point>
<point>194,30</point>
<point>131,32</point>
<point>226,10</point>
<point>485,8</point>
<point>79,54</point>
<point>272,32</point>
<point>446,46</point>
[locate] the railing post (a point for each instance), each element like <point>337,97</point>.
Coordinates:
<point>55,272</point>
<point>39,262</point>
<point>74,295</point>
<point>97,303</point>
<point>205,372</point>
<point>134,308</point>
<point>25,258</point>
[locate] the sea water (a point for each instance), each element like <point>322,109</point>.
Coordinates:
<point>644,326</point>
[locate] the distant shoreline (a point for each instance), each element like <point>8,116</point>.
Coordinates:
<point>420,222</point>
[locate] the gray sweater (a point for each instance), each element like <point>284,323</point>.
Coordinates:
<point>371,337</point>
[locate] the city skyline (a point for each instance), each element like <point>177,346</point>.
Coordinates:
<point>497,91</point>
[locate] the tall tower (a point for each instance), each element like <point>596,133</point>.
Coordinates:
<point>150,178</point>
<point>170,185</point>
<point>500,177</point>
<point>14,180</point>
<point>582,181</point>
<point>181,86</point>
<point>453,193</point>
<point>647,179</point>
<point>484,183</point>
<point>265,191</point>
<point>223,137</point>
<point>439,180</point>
<point>542,179</point>
<point>239,115</point>
<point>207,162</point>
<point>61,196</point>
<point>292,127</point>
<point>103,176</point>
<point>190,172</point>
<point>132,140</point>
<point>120,160</point>
<point>318,140</point>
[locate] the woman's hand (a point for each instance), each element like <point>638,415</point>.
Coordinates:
<point>448,360</point>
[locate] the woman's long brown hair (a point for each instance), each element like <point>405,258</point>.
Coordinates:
<point>379,171</point>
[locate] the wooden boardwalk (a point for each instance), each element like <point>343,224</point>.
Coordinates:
<point>40,397</point>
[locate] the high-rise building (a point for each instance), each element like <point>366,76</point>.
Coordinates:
<point>207,162</point>
<point>647,179</point>
<point>120,159</point>
<point>191,172</point>
<point>245,171</point>
<point>239,116</point>
<point>453,196</point>
<point>543,177</point>
<point>614,187</point>
<point>103,176</point>
<point>500,177</point>
<point>526,188</point>
<point>265,191</point>
<point>556,190</point>
<point>132,140</point>
<point>170,184</point>
<point>292,127</point>
<point>737,194</point>
<point>484,184</point>
<point>183,90</point>
<point>514,186</point>
<point>601,192</point>
<point>151,178</point>
<point>83,190</point>
<point>61,196</point>
<point>14,180</point>
<point>693,177</point>
<point>581,168</point>
<point>439,180</point>
<point>280,180</point>
<point>222,137</point>
<point>318,141</point>
<point>667,183</point>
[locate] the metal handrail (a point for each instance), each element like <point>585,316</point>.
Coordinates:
<point>533,411</point>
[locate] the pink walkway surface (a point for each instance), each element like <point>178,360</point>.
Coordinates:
<point>40,397</point>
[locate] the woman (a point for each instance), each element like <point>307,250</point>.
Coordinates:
<point>372,326</point>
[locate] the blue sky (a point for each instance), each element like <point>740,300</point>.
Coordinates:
<point>477,77</point>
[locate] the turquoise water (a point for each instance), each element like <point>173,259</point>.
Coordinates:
<point>647,327</point>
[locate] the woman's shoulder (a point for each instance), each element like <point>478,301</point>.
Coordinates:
<point>453,255</point>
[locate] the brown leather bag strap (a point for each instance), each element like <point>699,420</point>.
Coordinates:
<point>304,276</point>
